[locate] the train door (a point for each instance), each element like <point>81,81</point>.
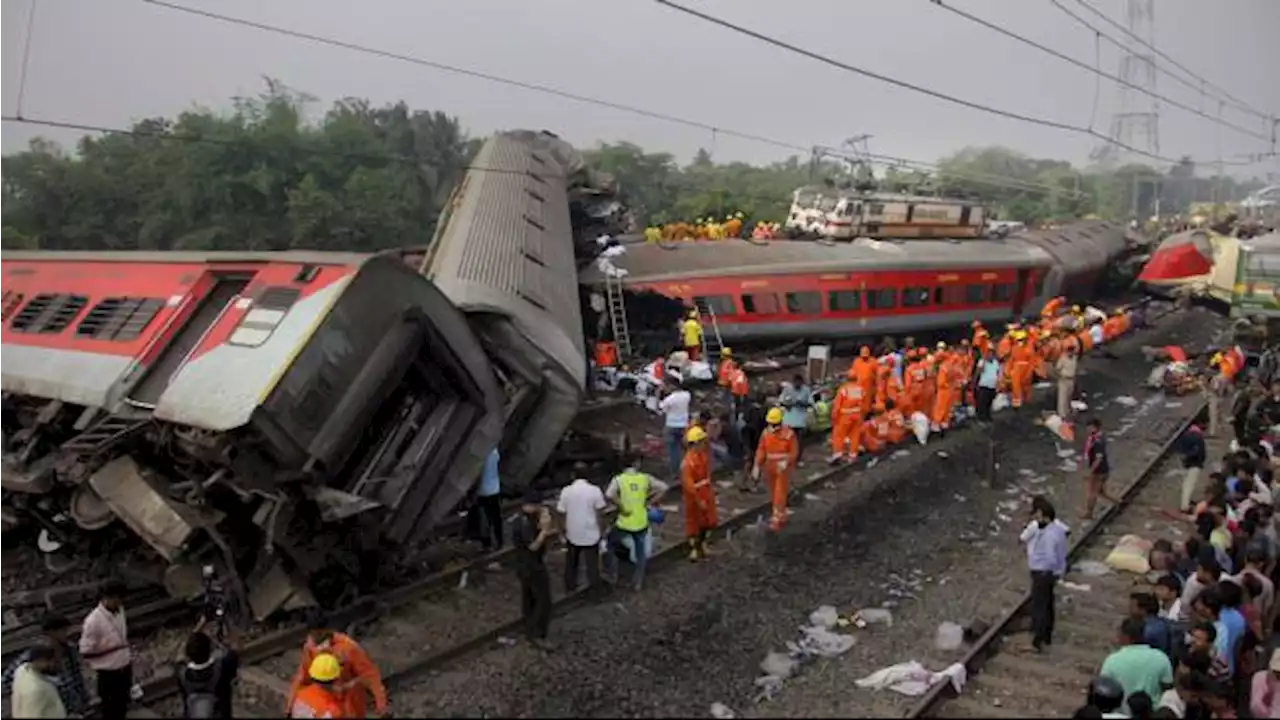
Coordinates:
<point>226,288</point>
<point>965,211</point>
<point>1020,292</point>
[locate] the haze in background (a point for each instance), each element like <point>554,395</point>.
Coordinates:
<point>110,62</point>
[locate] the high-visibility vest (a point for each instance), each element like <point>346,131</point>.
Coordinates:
<point>822,415</point>
<point>633,501</point>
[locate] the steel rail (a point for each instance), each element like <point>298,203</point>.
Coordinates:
<point>988,645</point>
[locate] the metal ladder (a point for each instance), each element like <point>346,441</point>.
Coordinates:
<point>712,343</point>
<point>617,307</point>
<point>104,434</point>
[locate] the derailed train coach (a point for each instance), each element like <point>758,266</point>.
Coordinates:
<point>287,417</point>
<point>504,253</point>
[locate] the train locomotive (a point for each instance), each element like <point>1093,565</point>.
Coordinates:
<point>289,416</point>
<point>869,287</point>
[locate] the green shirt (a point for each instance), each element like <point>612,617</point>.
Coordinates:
<point>1139,668</point>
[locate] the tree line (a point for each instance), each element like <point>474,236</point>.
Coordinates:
<point>262,176</point>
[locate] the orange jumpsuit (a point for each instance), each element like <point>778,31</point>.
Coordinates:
<point>864,372</point>
<point>1111,328</point>
<point>699,495</point>
<point>1053,307</point>
<point>775,456</point>
<point>1021,361</point>
<point>914,389</point>
<point>1086,340</point>
<point>981,340</point>
<point>360,676</point>
<point>732,228</point>
<point>884,374</point>
<point>944,398</point>
<point>738,385</point>
<point>1004,347</point>
<point>314,701</point>
<point>724,376</point>
<point>847,413</point>
<point>897,426</point>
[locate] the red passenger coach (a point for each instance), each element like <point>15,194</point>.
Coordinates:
<point>840,290</point>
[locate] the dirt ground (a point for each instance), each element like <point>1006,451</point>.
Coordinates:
<point>927,537</point>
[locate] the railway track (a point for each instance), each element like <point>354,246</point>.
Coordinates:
<point>472,606</point>
<point>1006,679</point>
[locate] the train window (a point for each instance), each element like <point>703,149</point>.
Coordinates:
<point>1001,292</point>
<point>763,303</point>
<point>948,295</point>
<point>937,296</point>
<point>975,294</point>
<point>12,300</point>
<point>915,296</point>
<point>267,313</point>
<point>885,299</point>
<point>716,304</point>
<point>844,300</point>
<point>48,314</point>
<point>804,303</point>
<point>875,209</point>
<point>119,318</point>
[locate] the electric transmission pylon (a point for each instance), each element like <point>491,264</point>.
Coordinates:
<point>1136,119</point>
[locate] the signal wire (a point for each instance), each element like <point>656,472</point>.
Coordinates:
<point>1096,70</point>
<point>1231,99</point>
<point>26,56</point>
<point>1030,119</point>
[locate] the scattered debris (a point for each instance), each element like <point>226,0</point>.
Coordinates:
<point>913,679</point>
<point>900,454</point>
<point>1092,568</point>
<point>1079,405</point>
<point>873,616</point>
<point>949,637</point>
<point>824,617</point>
<point>1078,587</point>
<point>1126,401</point>
<point>720,711</point>
<point>1130,555</point>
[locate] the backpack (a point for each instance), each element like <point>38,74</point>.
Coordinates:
<point>200,699</point>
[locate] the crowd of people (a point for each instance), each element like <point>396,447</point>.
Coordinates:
<point>1198,642</point>
<point>709,228</point>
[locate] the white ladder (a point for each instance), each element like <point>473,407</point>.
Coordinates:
<point>712,343</point>
<point>617,308</point>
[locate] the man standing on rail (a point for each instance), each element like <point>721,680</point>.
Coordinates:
<point>581,504</point>
<point>67,675</point>
<point>359,676</point>
<point>533,531</point>
<point>634,492</point>
<point>776,455</point>
<point>700,516</point>
<point>675,408</point>
<point>104,644</point>
<point>1046,540</point>
<point>1097,469</point>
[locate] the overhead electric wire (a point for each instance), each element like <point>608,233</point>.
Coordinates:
<point>937,94</point>
<point>546,89</point>
<point>1242,105</point>
<point>1096,70</point>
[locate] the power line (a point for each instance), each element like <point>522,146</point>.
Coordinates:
<point>1095,70</point>
<point>26,56</point>
<point>1199,88</point>
<point>1030,119</point>
<point>534,87</point>
<point>1206,83</point>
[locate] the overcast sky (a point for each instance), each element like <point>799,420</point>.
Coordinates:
<point>109,62</point>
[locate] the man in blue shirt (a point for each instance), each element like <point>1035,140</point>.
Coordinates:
<point>1228,630</point>
<point>987,372</point>
<point>485,517</point>
<point>1046,540</point>
<point>1156,631</point>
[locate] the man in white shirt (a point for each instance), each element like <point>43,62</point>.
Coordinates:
<point>675,407</point>
<point>581,504</point>
<point>104,645</point>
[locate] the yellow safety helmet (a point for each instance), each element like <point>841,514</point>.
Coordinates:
<point>1119,311</point>
<point>325,668</point>
<point>1076,309</point>
<point>727,352</point>
<point>738,215</point>
<point>940,346</point>
<point>1217,358</point>
<point>727,218</point>
<point>774,416</point>
<point>695,434</point>
<point>693,314</point>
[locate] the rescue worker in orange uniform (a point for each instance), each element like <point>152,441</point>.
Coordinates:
<point>892,386</point>
<point>944,396</point>
<point>915,388</point>
<point>724,374</point>
<point>847,413</point>
<point>864,371</point>
<point>321,697</point>
<point>359,677</point>
<point>1053,307</point>
<point>775,456</point>
<point>1005,346</point>
<point>1021,363</point>
<point>981,341</point>
<point>733,225</point>
<point>885,428</point>
<point>884,375</point>
<point>700,516</point>
<point>739,388</point>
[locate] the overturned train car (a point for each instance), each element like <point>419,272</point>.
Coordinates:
<point>289,416</point>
